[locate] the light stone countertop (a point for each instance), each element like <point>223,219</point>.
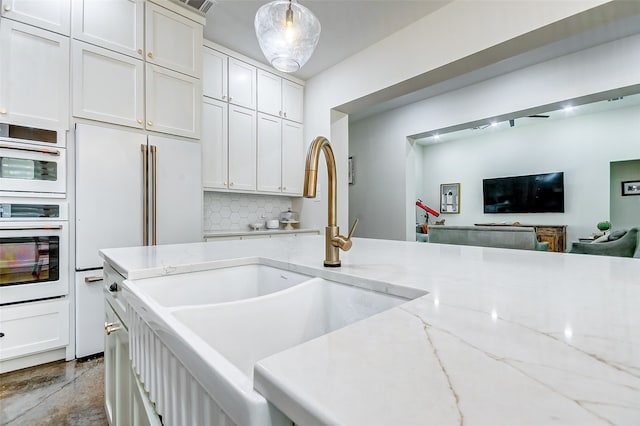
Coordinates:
<point>264,231</point>
<point>507,337</point>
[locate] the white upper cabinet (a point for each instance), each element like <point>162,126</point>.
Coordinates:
<point>269,153</point>
<point>293,148</point>
<point>214,144</point>
<point>292,101</point>
<point>242,84</point>
<point>174,102</point>
<point>107,86</point>
<point>279,97</point>
<point>242,148</point>
<point>52,15</point>
<point>214,74</point>
<point>269,93</point>
<point>34,76</point>
<point>173,41</point>
<point>117,25</point>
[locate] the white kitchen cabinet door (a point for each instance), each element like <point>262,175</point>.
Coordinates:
<point>214,144</point>
<point>173,41</point>
<point>269,93</point>
<point>242,84</point>
<point>34,327</point>
<point>292,158</point>
<point>174,102</point>
<point>242,148</point>
<point>117,370</point>
<point>214,74</point>
<point>52,15</point>
<point>109,182</point>
<point>34,76</point>
<point>178,212</point>
<point>117,25</point>
<point>269,149</point>
<point>107,86</point>
<point>292,101</point>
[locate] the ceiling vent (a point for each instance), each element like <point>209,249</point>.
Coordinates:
<point>201,6</point>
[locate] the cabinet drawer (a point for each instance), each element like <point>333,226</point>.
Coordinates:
<point>33,327</point>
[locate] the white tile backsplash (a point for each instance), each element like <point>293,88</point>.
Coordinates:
<point>227,211</point>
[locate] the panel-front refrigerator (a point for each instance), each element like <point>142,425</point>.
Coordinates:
<point>132,189</point>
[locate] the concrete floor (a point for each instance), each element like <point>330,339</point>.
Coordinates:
<point>59,393</point>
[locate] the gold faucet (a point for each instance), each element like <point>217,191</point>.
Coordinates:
<point>333,240</point>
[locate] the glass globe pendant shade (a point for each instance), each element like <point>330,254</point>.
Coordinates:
<point>287,33</point>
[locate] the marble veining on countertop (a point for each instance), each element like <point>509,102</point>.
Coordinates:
<point>502,337</point>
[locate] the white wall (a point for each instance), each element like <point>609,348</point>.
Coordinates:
<point>456,31</point>
<point>599,69</point>
<point>582,147</point>
<point>625,211</point>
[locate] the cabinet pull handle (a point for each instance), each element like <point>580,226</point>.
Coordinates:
<point>230,183</point>
<point>284,188</point>
<point>224,97</point>
<point>3,111</point>
<point>150,123</point>
<point>95,279</point>
<point>150,54</point>
<point>230,98</point>
<point>38,150</point>
<point>154,193</point>
<point>139,120</point>
<point>139,51</point>
<point>7,8</point>
<point>145,194</point>
<point>285,114</point>
<point>110,327</point>
<point>224,183</point>
<point>280,113</point>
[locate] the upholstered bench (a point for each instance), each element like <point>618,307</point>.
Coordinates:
<point>513,237</point>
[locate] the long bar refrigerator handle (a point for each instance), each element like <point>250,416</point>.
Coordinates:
<point>145,194</point>
<point>154,194</point>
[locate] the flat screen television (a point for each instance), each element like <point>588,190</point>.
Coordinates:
<point>542,193</point>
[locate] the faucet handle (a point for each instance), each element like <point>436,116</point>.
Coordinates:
<point>345,242</point>
<point>353,228</point>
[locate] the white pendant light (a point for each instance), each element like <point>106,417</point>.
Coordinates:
<point>287,33</point>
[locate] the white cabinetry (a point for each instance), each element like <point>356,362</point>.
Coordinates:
<point>280,155</point>
<point>173,41</point>
<point>242,83</point>
<point>107,86</point>
<point>242,148</point>
<point>31,328</point>
<point>279,97</point>
<point>117,25</point>
<point>126,402</point>
<point>156,89</point>
<point>174,102</point>
<point>214,74</point>
<point>34,76</point>
<point>52,15</point>
<point>292,158</point>
<point>215,144</point>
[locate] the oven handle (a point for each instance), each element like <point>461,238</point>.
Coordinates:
<point>95,279</point>
<point>30,228</point>
<point>38,150</point>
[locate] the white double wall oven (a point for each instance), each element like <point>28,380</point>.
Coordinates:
<point>34,246</point>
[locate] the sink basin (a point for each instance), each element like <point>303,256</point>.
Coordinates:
<point>246,331</point>
<point>218,285</point>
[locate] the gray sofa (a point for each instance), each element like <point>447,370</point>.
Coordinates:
<point>621,243</point>
<point>513,237</point>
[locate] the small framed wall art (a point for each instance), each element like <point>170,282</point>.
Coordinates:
<point>631,187</point>
<point>450,198</point>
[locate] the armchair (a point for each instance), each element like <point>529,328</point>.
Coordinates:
<point>625,246</point>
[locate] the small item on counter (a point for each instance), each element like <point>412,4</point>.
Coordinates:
<point>289,218</point>
<point>257,226</point>
<point>273,224</point>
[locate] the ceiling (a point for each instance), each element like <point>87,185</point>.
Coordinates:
<point>348,26</point>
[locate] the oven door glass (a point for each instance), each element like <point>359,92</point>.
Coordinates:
<point>26,260</point>
<point>31,168</point>
<point>21,168</point>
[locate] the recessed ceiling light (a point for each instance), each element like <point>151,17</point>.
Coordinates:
<point>567,108</point>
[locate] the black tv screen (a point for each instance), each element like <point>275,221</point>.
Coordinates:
<point>543,193</point>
